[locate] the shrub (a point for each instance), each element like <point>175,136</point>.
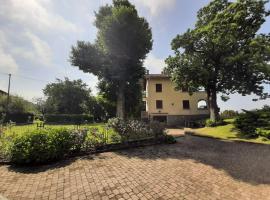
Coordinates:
<point>263,132</point>
<point>134,129</point>
<point>78,139</point>
<point>169,139</point>
<point>211,123</point>
<point>68,118</point>
<point>118,125</point>
<point>115,137</point>
<point>254,123</point>
<point>247,123</point>
<point>5,146</point>
<point>41,146</point>
<point>157,128</point>
<point>137,130</point>
<point>94,139</point>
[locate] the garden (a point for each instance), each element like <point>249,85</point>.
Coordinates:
<point>39,143</point>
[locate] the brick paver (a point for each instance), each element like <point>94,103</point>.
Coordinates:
<point>194,168</point>
<point>176,132</point>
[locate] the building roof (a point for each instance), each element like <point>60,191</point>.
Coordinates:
<point>3,92</point>
<point>148,76</point>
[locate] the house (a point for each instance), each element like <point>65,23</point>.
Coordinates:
<point>162,102</point>
<point>2,92</point>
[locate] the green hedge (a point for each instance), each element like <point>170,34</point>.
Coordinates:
<point>19,117</point>
<point>68,118</point>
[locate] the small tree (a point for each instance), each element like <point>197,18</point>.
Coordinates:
<point>223,53</point>
<point>116,57</point>
<point>67,97</point>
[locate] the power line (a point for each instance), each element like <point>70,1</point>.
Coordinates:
<point>4,73</point>
<point>30,78</point>
<point>24,77</point>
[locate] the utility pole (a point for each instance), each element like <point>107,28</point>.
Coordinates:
<point>9,77</point>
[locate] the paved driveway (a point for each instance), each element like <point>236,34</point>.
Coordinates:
<point>194,168</point>
<point>175,132</point>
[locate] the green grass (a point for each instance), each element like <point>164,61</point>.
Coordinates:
<point>228,132</point>
<point>21,129</point>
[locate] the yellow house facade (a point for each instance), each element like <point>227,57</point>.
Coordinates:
<point>162,102</point>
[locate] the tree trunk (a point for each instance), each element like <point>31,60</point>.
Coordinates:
<point>120,105</point>
<point>212,102</point>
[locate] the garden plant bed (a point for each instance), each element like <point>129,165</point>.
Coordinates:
<point>34,145</point>
<point>110,148</point>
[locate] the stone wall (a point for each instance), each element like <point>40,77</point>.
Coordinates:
<point>179,120</point>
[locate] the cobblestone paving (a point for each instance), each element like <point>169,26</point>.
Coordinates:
<point>194,168</point>
<point>176,132</point>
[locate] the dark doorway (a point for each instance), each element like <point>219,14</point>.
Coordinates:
<point>160,119</point>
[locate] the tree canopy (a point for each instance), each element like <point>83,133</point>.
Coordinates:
<point>116,57</point>
<point>224,52</point>
<point>67,97</point>
<point>16,105</point>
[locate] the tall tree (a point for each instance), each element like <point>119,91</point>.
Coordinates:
<point>224,52</point>
<point>67,97</point>
<point>116,57</point>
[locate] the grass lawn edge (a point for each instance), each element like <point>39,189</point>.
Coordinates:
<point>193,132</point>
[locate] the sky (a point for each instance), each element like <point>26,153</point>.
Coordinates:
<point>36,38</point>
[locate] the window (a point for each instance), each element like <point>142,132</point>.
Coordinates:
<point>159,104</point>
<point>184,89</point>
<point>186,104</point>
<point>202,105</point>
<point>159,87</point>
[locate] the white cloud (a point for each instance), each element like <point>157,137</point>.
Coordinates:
<point>24,27</point>
<point>40,51</point>
<point>156,6</point>
<point>7,62</point>
<point>34,15</point>
<point>154,64</point>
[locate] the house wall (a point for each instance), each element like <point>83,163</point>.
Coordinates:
<point>172,99</point>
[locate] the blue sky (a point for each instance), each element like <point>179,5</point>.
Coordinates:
<point>36,36</point>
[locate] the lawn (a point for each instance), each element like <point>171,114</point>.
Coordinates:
<point>22,128</point>
<point>228,132</point>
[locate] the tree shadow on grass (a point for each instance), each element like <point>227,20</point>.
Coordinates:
<point>246,162</point>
